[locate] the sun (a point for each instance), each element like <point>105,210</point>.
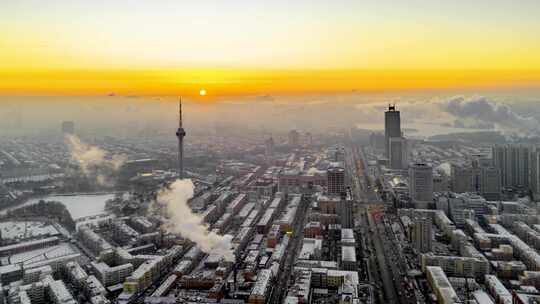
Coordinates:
<point>202,92</point>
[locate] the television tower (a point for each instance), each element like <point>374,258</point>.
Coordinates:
<point>180,133</point>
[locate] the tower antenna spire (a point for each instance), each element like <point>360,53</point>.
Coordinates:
<point>180,112</point>
<point>180,133</point>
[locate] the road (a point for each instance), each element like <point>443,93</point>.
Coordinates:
<point>370,262</point>
<point>386,256</point>
<point>386,276</point>
<point>357,166</point>
<point>386,265</point>
<point>398,263</point>
<point>364,193</point>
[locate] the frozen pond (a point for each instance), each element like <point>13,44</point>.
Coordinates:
<point>78,205</point>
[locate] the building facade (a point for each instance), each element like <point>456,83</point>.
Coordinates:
<point>392,126</point>
<point>421,184</point>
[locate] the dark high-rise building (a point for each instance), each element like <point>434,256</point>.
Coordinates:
<point>269,147</point>
<point>421,185</point>
<point>68,127</point>
<point>345,212</point>
<point>398,153</point>
<point>490,183</point>
<point>422,234</point>
<point>180,133</point>
<point>535,174</point>
<point>336,180</point>
<point>294,138</point>
<point>392,126</point>
<point>309,139</point>
<point>463,179</point>
<point>513,162</point>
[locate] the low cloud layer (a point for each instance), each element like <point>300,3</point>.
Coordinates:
<point>459,113</point>
<point>487,112</point>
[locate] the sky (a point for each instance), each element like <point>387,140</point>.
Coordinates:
<point>255,47</point>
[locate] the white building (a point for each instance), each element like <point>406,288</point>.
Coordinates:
<point>441,286</point>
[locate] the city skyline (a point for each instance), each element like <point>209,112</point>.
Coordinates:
<point>323,217</point>
<point>265,152</point>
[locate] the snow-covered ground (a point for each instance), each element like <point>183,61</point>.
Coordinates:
<point>77,205</point>
<point>37,255</point>
<point>23,230</point>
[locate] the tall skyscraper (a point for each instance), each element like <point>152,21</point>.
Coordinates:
<point>422,234</point>
<point>462,178</point>
<point>294,138</point>
<point>345,212</point>
<point>513,162</point>
<point>490,183</point>
<point>180,133</point>
<point>398,153</point>
<point>392,127</point>
<point>535,174</point>
<point>421,185</point>
<point>335,180</point>
<point>309,139</point>
<point>269,147</point>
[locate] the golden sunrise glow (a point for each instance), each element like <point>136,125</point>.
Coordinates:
<point>202,92</point>
<point>244,82</point>
<point>256,47</point>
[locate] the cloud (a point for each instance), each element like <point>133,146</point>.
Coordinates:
<point>182,220</point>
<point>475,113</point>
<point>473,124</point>
<point>490,113</point>
<point>265,97</point>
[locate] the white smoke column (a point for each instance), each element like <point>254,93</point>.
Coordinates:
<point>446,168</point>
<point>93,160</point>
<point>87,156</point>
<point>314,171</point>
<point>182,220</point>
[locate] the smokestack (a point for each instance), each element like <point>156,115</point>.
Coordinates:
<point>180,133</point>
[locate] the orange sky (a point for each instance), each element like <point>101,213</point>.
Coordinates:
<point>241,47</point>
<point>232,82</point>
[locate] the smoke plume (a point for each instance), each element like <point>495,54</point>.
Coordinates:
<point>446,168</point>
<point>182,220</point>
<point>314,171</point>
<point>94,161</point>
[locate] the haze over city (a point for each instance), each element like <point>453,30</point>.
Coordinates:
<point>310,151</point>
